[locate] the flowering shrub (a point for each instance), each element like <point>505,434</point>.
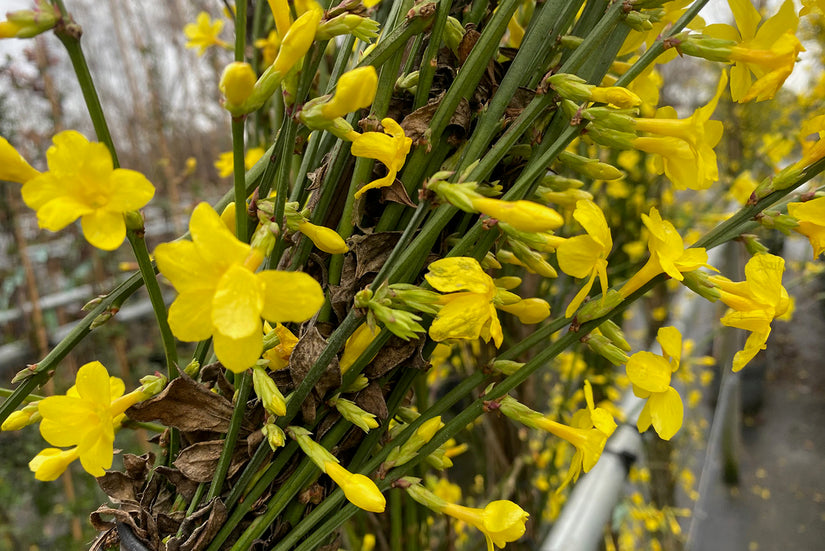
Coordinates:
<point>525,147</point>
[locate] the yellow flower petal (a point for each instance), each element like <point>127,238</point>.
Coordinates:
<point>237,303</point>
<point>190,316</point>
<point>666,412</point>
<point>238,355</point>
<point>463,317</point>
<point>649,371</point>
<point>131,190</point>
<point>13,167</point>
<point>290,296</point>
<point>103,229</point>
<point>459,273</point>
<point>215,244</point>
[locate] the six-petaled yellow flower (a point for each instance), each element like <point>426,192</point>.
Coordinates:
<point>221,296</point>
<point>754,303</point>
<point>82,183</point>
<point>811,216</point>
<point>650,375</point>
<point>390,147</point>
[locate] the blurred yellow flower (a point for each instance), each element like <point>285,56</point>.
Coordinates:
<point>811,216</point>
<point>204,33</point>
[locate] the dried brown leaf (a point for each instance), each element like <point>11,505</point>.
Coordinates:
<point>199,461</point>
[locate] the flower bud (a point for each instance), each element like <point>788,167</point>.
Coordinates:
<point>613,332</point>
<point>358,489</point>
<point>134,221</point>
<point>528,310</point>
<point>360,339</point>
<point>534,261</point>
<point>362,28</point>
<point>355,89</point>
<point>590,167</point>
<point>600,307</point>
<point>415,298</point>
<point>152,385</point>
<point>603,346</point>
<point>192,368</point>
<point>236,85</point>
<point>360,383</point>
<point>507,367</point>
<point>324,238</point>
<point>297,41</point>
<point>28,415</point>
<point>698,282</point>
<point>29,23</point>
<point>453,34</point>
<point>409,449</point>
<point>274,435</point>
<point>350,411</point>
<point>523,215</point>
<point>266,389</point>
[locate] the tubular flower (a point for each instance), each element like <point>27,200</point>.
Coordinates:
<point>85,417</point>
<point>667,254</point>
<point>586,255</point>
<point>694,166</point>
<point>221,296</point>
<point>754,302</point>
<point>82,183</point>
<point>13,167</point>
<point>500,521</point>
<point>390,147</point>
<point>769,51</point>
<point>359,490</point>
<point>326,239</point>
<point>525,216</point>
<point>588,433</point>
<point>811,216</point>
<point>204,33</point>
<point>650,375</point>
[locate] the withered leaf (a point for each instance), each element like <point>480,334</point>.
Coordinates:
<point>202,526</point>
<point>468,41</point>
<point>397,193</point>
<point>304,356</point>
<point>341,295</point>
<point>182,484</point>
<point>199,461</point>
<point>186,405</point>
<point>371,399</point>
<point>416,125</point>
<point>392,354</point>
<point>371,251</point>
<point>119,487</point>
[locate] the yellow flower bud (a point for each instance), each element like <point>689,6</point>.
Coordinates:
<point>324,238</point>
<point>356,344</point>
<point>297,41</point>
<point>358,489</point>
<point>615,95</point>
<point>52,462</point>
<point>22,418</point>
<point>266,389</point>
<point>523,215</point>
<point>13,167</point>
<point>356,89</point>
<point>237,83</point>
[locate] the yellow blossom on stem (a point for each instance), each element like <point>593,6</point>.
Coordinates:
<point>390,147</point>
<point>468,311</point>
<point>754,303</point>
<point>359,490</point>
<point>269,47</point>
<point>221,296</point>
<point>692,163</point>
<point>204,33</point>
<point>236,84</point>
<point>586,255</point>
<point>296,41</point>
<point>650,375</point>
<point>355,89</point>
<point>279,354</point>
<point>82,183</point>
<point>769,50</point>
<point>667,254</point>
<point>525,216</point>
<point>225,165</point>
<point>360,339</point>
<point>85,417</point>
<point>13,167</point>
<point>811,216</point>
<point>326,239</point>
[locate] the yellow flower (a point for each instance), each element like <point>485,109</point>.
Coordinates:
<point>650,375</point>
<point>586,255</point>
<point>225,165</point>
<point>358,489</point>
<point>667,254</point>
<point>768,52</point>
<point>326,239</point>
<point>297,41</point>
<point>221,296</point>
<point>525,216</point>
<point>356,344</point>
<point>279,355</point>
<point>81,183</point>
<point>85,417</point>
<point>468,311</point>
<point>204,33</point>
<point>355,89</point>
<point>692,163</point>
<point>754,303</point>
<point>13,167</point>
<point>390,147</point>
<point>811,216</point>
<point>500,521</point>
<point>237,82</point>
<point>269,47</point>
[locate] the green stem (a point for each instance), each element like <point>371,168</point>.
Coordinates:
<point>426,71</point>
<point>69,35</point>
<point>231,436</point>
<point>147,271</point>
<point>240,33</point>
<point>6,392</point>
<point>239,177</point>
<point>395,40</point>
